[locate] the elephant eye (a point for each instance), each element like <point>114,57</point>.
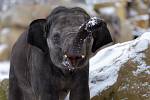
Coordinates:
<point>56,39</point>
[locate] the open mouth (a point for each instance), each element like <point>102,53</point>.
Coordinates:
<point>72,62</point>
<point>67,66</point>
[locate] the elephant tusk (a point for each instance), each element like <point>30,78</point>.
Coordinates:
<point>65,56</point>
<point>83,56</point>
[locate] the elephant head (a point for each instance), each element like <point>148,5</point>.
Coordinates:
<point>69,36</point>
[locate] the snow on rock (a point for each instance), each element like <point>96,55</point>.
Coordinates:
<point>104,66</point>
<point>142,17</point>
<point>4,70</point>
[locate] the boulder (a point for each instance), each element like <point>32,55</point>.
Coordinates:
<point>22,15</point>
<point>128,85</point>
<point>122,71</point>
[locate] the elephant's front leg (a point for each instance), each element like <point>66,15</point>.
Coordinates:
<point>45,92</point>
<point>44,87</point>
<point>48,96</point>
<point>80,93</point>
<point>81,89</point>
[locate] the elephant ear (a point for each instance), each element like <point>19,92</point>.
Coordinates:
<point>36,34</point>
<point>101,37</point>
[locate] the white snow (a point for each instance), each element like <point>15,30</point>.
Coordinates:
<point>91,2</point>
<point>107,10</point>
<point>4,70</point>
<point>137,31</point>
<point>5,31</point>
<point>92,22</point>
<point>104,66</point>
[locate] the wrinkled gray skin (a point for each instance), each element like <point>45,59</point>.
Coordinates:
<point>52,57</point>
<point>61,40</point>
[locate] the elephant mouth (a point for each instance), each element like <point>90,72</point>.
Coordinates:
<point>73,62</point>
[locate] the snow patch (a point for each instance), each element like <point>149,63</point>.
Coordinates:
<point>141,45</point>
<point>143,68</point>
<point>92,2</point>
<point>92,22</point>
<point>108,10</point>
<point>5,31</point>
<point>142,17</point>
<point>4,70</point>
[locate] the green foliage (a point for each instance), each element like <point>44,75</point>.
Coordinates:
<point>2,94</point>
<point>4,89</point>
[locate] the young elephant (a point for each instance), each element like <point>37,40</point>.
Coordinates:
<point>51,58</point>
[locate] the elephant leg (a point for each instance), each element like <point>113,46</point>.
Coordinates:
<point>15,92</point>
<point>29,96</point>
<point>80,91</point>
<point>62,95</point>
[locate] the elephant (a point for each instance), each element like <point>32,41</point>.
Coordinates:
<point>51,58</point>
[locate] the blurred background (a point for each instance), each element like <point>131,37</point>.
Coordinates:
<point>126,19</point>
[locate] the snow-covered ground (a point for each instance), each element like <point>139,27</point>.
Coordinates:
<point>104,66</point>
<point>4,70</point>
<point>4,66</point>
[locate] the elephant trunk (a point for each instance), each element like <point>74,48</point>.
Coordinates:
<point>77,46</point>
<point>86,30</point>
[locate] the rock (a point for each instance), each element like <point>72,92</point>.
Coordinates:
<point>125,33</point>
<point>128,85</point>
<point>8,36</point>
<point>125,75</point>
<point>9,4</point>
<point>121,31</point>
<point>4,34</point>
<point>22,15</point>
<point>13,36</point>
<point>4,52</point>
